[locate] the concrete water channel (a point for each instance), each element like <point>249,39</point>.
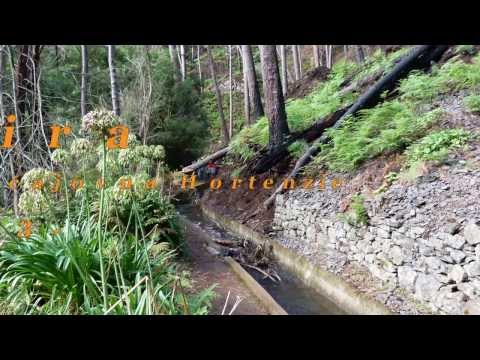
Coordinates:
<point>290,293</point>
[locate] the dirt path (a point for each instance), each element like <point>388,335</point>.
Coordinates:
<point>207,269</point>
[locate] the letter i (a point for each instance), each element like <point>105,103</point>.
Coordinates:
<point>7,141</point>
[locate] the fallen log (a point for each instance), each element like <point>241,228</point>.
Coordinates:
<point>270,159</point>
<point>418,59</point>
<point>202,162</point>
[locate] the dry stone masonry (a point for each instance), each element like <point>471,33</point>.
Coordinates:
<point>421,238</point>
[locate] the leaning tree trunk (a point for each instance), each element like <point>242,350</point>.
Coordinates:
<point>113,80</point>
<point>83,86</point>
<point>256,108</point>
<point>283,61</point>
<point>296,62</point>
<point>218,95</point>
<point>274,102</point>
<point>419,58</point>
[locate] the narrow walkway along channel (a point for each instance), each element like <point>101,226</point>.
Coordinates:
<point>209,268</point>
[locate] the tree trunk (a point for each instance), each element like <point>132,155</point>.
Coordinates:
<point>175,63</point>
<point>296,62</point>
<point>113,80</point>
<point>83,86</point>
<point>218,95</point>
<point>246,100</point>
<point>230,75</point>
<point>316,56</point>
<point>283,61</point>
<point>2,64</point>
<point>328,56</point>
<point>182,62</point>
<point>199,63</point>
<point>256,107</point>
<point>147,87</point>
<point>274,102</point>
<point>202,162</point>
<point>360,54</point>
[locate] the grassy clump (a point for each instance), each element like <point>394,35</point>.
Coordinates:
<point>357,214</point>
<point>390,126</point>
<point>298,148</point>
<point>472,103</point>
<point>437,145</point>
<point>359,211</point>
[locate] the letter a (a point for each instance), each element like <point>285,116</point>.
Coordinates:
<point>120,132</point>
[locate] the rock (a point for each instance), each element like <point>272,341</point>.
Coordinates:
<point>468,289</point>
<point>477,252</point>
<point>382,233</point>
<point>472,233</point>
<point>452,303</point>
<point>473,269</point>
<point>455,241</point>
<point>472,307</point>
<point>457,256</point>
<point>426,287</point>
<point>447,259</point>
<point>436,242</point>
<point>425,250</point>
<point>407,277</point>
<point>435,264</point>
<point>452,228</point>
<point>396,255</point>
<point>310,233</point>
<point>370,258</point>
<point>457,274</point>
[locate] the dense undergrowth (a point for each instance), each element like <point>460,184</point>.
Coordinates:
<point>323,100</point>
<point>392,126</point>
<point>103,237</point>
<point>396,124</point>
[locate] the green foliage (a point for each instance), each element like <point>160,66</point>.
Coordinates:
<point>301,113</point>
<point>387,127</point>
<point>178,121</point>
<point>298,148</point>
<point>435,146</point>
<point>103,251</point>
<point>466,49</point>
<point>378,61</point>
<point>359,212</point>
<point>394,125</point>
<point>452,76</point>
<point>472,103</point>
<point>61,274</point>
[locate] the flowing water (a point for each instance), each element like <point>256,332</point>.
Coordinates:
<point>290,293</point>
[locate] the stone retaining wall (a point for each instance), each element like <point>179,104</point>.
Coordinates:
<point>422,238</point>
